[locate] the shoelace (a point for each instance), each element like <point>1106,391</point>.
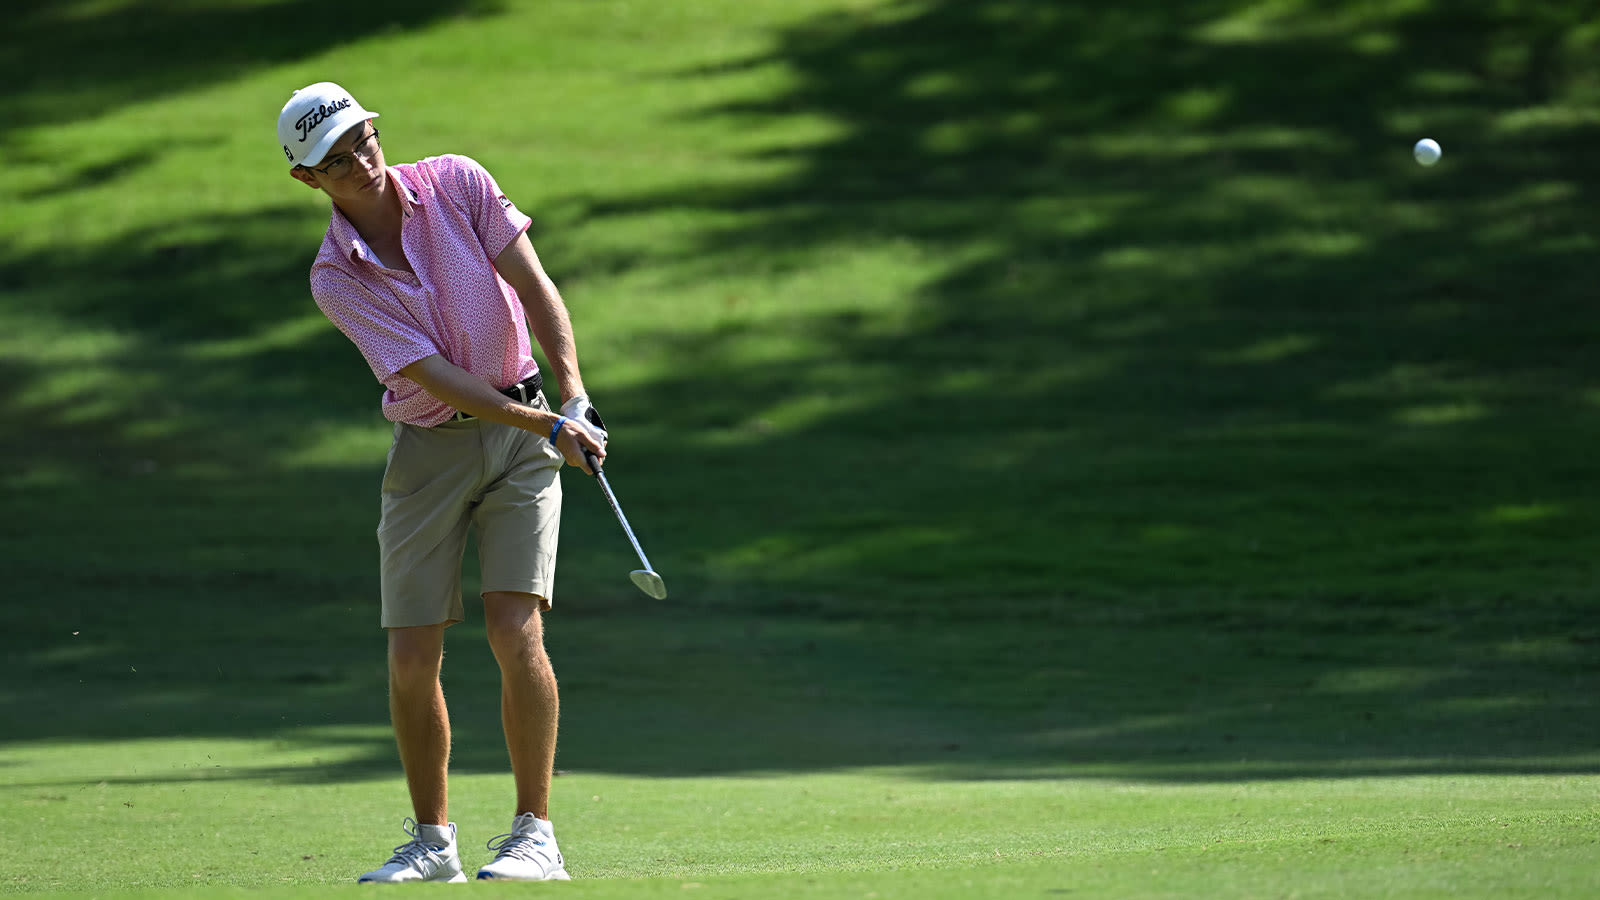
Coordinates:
<point>519,845</point>
<point>415,851</point>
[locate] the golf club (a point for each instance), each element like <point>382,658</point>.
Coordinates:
<point>646,578</point>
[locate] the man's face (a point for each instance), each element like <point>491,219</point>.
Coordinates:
<point>353,166</point>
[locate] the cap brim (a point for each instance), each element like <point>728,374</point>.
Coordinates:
<point>320,148</point>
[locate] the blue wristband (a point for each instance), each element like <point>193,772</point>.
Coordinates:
<point>560,421</point>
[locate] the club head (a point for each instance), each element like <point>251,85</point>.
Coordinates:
<point>649,582</point>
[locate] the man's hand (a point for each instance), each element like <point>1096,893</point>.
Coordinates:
<point>582,416</point>
<point>588,432</point>
<point>582,410</point>
<point>574,438</point>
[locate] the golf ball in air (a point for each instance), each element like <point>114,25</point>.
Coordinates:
<point>1427,151</point>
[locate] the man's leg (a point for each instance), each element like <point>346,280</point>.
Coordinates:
<point>422,731</point>
<point>529,704</point>
<point>421,723</point>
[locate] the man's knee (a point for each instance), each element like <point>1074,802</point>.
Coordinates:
<point>513,624</point>
<point>415,654</point>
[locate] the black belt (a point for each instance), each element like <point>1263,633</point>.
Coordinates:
<point>525,390</point>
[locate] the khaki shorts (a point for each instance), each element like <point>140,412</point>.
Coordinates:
<point>501,481</point>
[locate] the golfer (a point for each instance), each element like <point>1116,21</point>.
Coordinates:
<point>427,268</point>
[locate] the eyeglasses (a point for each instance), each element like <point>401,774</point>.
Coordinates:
<point>366,149</point>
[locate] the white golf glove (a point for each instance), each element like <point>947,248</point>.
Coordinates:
<point>581,411</point>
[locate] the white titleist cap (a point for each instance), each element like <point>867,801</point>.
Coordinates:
<point>314,118</point>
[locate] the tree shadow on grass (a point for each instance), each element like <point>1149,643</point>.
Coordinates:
<point>1235,339</point>
<point>1278,409</point>
<point>679,695</point>
<point>69,60</point>
<point>1223,351</point>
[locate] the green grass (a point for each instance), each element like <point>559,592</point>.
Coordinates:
<point>1088,456</point>
<point>896,833</point>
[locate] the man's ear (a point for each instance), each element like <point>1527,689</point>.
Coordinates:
<point>304,177</point>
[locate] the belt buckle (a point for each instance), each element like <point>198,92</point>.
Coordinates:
<point>527,388</point>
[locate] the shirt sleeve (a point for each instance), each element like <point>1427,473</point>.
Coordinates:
<point>388,338</point>
<point>495,218</point>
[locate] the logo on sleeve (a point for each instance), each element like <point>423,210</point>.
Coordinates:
<point>504,202</point>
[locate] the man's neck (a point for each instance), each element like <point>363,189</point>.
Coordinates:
<point>377,217</point>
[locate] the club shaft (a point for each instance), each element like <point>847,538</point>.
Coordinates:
<point>605,488</point>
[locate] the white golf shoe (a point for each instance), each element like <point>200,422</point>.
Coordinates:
<point>528,853</point>
<point>430,855</point>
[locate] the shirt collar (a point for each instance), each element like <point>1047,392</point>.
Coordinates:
<point>347,236</point>
<point>410,197</point>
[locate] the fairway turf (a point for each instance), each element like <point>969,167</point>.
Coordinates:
<point>893,831</point>
<point>1090,458</point>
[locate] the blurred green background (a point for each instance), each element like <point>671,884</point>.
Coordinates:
<point>1039,390</point>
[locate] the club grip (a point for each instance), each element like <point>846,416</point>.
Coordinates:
<point>591,459</point>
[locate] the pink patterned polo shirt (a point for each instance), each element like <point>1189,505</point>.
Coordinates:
<point>456,305</point>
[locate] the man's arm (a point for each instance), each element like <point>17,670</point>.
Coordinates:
<point>458,388</point>
<point>519,265</point>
